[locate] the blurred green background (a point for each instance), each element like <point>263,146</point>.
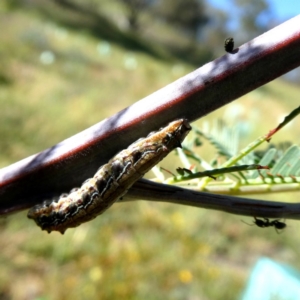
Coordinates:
<point>66,65</point>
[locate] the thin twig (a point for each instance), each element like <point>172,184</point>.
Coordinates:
<point>235,205</point>
<point>188,175</point>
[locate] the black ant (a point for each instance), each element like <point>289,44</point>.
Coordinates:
<point>267,223</point>
<point>229,44</point>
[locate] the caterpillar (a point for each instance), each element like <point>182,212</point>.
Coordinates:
<point>110,182</point>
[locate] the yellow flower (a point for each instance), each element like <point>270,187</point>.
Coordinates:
<point>95,274</point>
<point>185,276</point>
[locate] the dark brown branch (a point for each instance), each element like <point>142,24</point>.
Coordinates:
<point>235,205</point>
<point>69,163</point>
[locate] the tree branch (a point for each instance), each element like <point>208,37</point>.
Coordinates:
<point>235,205</point>
<point>67,164</point>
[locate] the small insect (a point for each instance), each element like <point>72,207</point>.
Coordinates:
<point>229,44</point>
<point>110,182</point>
<point>263,223</point>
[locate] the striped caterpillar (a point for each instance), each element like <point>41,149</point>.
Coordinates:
<point>111,181</point>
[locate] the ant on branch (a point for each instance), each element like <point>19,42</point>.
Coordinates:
<point>263,223</point>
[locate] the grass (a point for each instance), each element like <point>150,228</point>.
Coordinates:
<point>58,82</point>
